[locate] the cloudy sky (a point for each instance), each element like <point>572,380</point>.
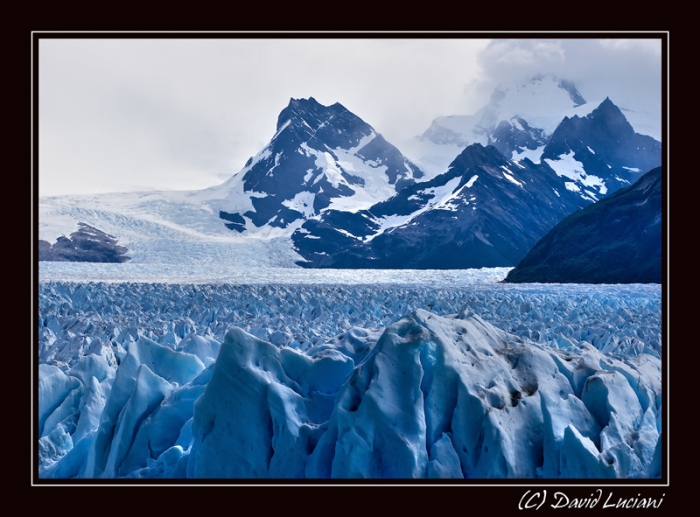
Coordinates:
<point>130,114</point>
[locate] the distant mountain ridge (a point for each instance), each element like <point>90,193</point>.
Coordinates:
<point>484,211</point>
<point>601,150</point>
<point>541,101</point>
<point>519,119</point>
<point>328,191</point>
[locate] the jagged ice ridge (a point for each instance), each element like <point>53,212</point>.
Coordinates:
<point>139,380</point>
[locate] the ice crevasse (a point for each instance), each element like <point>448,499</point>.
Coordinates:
<point>427,397</point>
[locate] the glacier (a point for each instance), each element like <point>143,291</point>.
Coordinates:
<point>407,377</point>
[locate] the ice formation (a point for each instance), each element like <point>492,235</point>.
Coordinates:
<point>309,381</point>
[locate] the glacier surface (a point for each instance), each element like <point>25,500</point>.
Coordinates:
<point>404,378</point>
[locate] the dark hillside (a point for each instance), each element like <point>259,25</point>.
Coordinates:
<point>614,241</point>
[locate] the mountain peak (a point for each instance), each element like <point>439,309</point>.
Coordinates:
<point>300,109</point>
<point>319,156</point>
<point>608,105</point>
<point>611,113</point>
<point>303,102</point>
<point>604,144</point>
<point>304,120</point>
<point>476,154</point>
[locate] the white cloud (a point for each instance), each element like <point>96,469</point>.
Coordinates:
<point>188,113</point>
<point>626,70</point>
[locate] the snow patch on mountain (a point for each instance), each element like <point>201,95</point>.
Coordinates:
<point>375,187</point>
<point>568,167</point>
<point>303,202</point>
<point>509,177</point>
<point>440,199</point>
<point>531,154</point>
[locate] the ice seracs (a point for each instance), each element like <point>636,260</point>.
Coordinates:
<point>427,396</point>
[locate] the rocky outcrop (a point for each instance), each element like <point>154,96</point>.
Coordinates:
<point>88,244</point>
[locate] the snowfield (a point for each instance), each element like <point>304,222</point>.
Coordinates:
<point>294,373</point>
<point>169,228</point>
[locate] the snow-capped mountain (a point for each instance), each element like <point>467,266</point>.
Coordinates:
<point>321,157</point>
<point>599,153</point>
<point>484,211</point>
<point>616,240</point>
<point>328,191</point>
<point>541,101</point>
<point>518,118</point>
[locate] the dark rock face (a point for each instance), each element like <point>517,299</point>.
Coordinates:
<point>235,221</point>
<point>614,241</point>
<point>281,175</point>
<point>88,244</point>
<point>516,135</point>
<point>485,211</point>
<point>573,92</point>
<point>44,250</point>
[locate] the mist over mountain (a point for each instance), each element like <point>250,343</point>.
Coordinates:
<point>519,119</point>
<point>486,210</point>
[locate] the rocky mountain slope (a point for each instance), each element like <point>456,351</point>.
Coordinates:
<point>616,240</point>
